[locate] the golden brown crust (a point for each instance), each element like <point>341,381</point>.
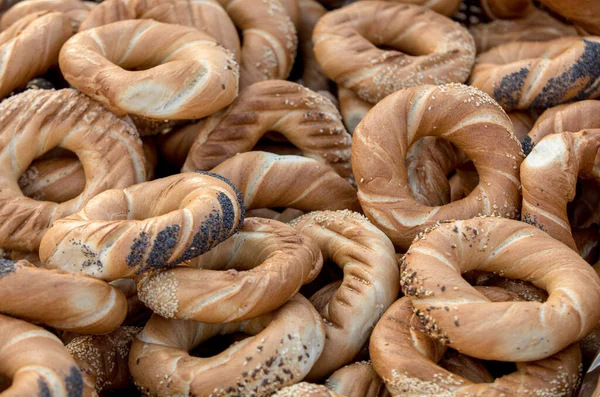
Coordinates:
<point>525,75</point>
<point>506,8</point>
<point>370,283</point>
<point>514,331</point>
<point>149,226</point>
<point>283,347</point>
<point>346,43</point>
<point>186,74</point>
<point>466,117</point>
<point>252,273</point>
<point>76,10</point>
<point>586,13</point>
<point>34,122</point>
<point>444,7</point>
<point>357,380</point>
<point>306,389</point>
<point>307,119</point>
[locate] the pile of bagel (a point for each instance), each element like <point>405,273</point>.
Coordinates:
<point>253,198</point>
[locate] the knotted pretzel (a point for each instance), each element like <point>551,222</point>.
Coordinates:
<point>307,119</point>
<point>549,177</point>
<point>71,302</point>
<point>357,380</point>
<point>536,75</point>
<point>250,274</point>
<point>346,43</point>
<point>182,73</point>
<point>124,232</point>
<point>370,283</point>
<point>513,331</point>
<point>36,121</point>
<point>282,348</point>
<point>467,118</point>
<point>76,10</point>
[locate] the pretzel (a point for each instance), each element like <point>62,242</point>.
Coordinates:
<point>125,232</point>
<point>76,10</point>
<point>103,359</point>
<point>208,16</point>
<point>466,117</point>
<point>34,122</point>
<point>307,119</point>
<point>104,309</point>
<point>306,389</point>
<point>36,361</point>
<point>42,33</point>
<point>370,283</point>
<point>563,118</point>
<point>346,39</point>
<point>267,180</point>
<point>406,358</point>
<point>357,380</point>
<point>283,347</point>
<point>537,25</point>
<point>564,70</point>
<point>584,13</point>
<point>352,108</point>
<point>191,75</point>
<point>312,75</point>
<point>250,274</point>
<point>513,331</point>
<point>549,177</point>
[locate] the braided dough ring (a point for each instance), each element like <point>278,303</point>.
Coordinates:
<point>103,359</point>
<point>564,118</point>
<point>33,123</point>
<point>549,177</point>
<point>370,282</point>
<point>42,34</point>
<point>205,15</point>
<point>513,331</point>
<point>76,10</point>
<point>463,115</point>
<point>71,302</point>
<point>185,73</point>
<point>357,380</point>
<point>585,13</point>
<point>526,75</point>
<point>152,225</point>
<point>307,119</point>
<point>406,358</point>
<point>283,347</point>
<point>252,273</point>
<point>267,180</point>
<point>346,43</point>
<point>37,362</point>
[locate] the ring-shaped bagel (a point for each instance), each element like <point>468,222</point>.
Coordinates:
<point>182,73</point>
<point>36,121</point>
<point>357,380</point>
<point>153,225</point>
<point>37,362</point>
<point>71,302</point>
<point>539,75</point>
<point>283,347</point>
<point>43,34</point>
<point>549,177</point>
<point>76,10</point>
<point>513,331</point>
<point>252,273</point>
<point>406,358</point>
<point>346,43</point>
<point>369,286</point>
<point>463,115</point>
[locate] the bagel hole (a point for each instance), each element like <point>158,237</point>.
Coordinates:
<point>330,272</point>
<point>217,344</point>
<point>474,369</point>
<point>277,143</point>
<point>584,218</point>
<point>5,383</point>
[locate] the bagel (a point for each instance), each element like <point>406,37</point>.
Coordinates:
<point>352,108</point>
<point>34,122</point>
<point>525,75</point>
<point>266,180</point>
<point>308,120</point>
<point>312,75</point>
<point>43,34</point>
<point>306,389</point>
<point>513,331</point>
<point>250,274</point>
<point>185,73</point>
<point>585,13</point>
<point>36,361</point>
<point>357,380</point>
<point>70,302</point>
<point>466,117</point>
<point>76,10</point>
<point>549,177</point>
<point>122,233</point>
<point>370,283</point>
<point>346,43</point>
<point>282,348</point>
